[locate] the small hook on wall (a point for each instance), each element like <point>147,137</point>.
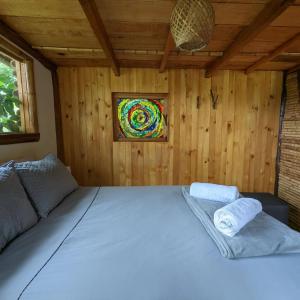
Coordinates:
<point>214,99</point>
<point>198,102</point>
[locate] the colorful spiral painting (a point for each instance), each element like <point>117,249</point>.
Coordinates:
<point>141,118</point>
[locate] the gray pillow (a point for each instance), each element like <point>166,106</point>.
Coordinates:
<point>46,181</point>
<point>9,163</point>
<point>16,212</point>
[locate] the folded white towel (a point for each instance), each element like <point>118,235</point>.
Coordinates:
<point>215,192</point>
<point>230,219</point>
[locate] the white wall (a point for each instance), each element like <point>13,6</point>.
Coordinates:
<point>46,119</point>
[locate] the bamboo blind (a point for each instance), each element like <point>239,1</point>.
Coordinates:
<point>289,175</point>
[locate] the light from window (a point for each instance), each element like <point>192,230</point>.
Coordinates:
<point>18,110</point>
<point>10,116</point>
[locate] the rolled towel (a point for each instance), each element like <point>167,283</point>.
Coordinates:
<point>231,218</point>
<point>214,192</point>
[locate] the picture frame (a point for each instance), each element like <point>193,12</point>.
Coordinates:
<point>140,117</point>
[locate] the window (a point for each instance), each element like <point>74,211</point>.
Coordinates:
<point>10,117</point>
<point>18,117</point>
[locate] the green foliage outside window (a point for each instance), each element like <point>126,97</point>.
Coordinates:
<point>10,120</point>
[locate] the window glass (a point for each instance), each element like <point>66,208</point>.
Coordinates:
<point>10,116</point>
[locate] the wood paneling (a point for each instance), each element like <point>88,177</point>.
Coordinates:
<point>227,12</point>
<point>13,37</point>
<point>289,175</point>
<point>260,22</point>
<point>278,51</point>
<point>95,20</point>
<point>44,9</point>
<point>143,25</point>
<point>234,144</point>
<point>170,45</point>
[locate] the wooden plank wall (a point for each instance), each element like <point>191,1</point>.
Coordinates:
<point>289,174</point>
<point>234,144</point>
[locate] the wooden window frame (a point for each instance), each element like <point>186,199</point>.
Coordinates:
<point>26,89</point>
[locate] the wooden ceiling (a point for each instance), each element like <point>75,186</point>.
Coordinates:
<point>138,31</point>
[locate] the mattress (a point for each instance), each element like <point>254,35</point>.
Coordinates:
<point>135,243</point>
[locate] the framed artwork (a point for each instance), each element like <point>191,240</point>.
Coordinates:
<point>140,117</point>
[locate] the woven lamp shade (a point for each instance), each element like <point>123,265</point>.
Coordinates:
<point>192,24</point>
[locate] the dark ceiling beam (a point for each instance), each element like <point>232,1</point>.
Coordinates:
<point>14,38</point>
<point>170,45</point>
<point>58,117</point>
<point>288,57</point>
<point>91,11</point>
<point>294,69</point>
<point>279,50</point>
<point>269,13</point>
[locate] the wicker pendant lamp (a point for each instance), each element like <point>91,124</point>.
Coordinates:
<point>192,24</point>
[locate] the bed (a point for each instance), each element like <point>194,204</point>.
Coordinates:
<point>137,243</point>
